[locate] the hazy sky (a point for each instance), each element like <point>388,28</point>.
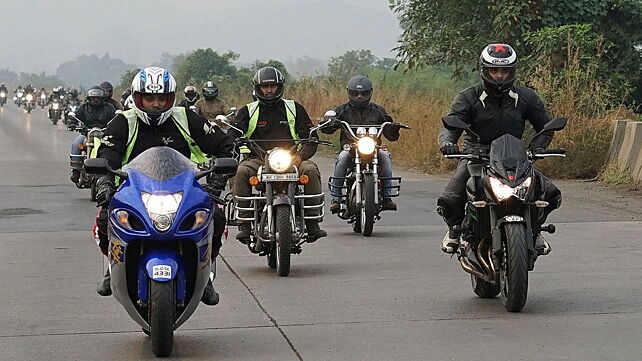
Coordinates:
<point>37,35</point>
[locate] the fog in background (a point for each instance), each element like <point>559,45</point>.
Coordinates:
<point>37,35</point>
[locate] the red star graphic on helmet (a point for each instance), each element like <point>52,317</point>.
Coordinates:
<point>500,48</point>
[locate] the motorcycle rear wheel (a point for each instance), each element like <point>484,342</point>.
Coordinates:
<point>368,208</point>
<point>283,239</point>
<point>162,314</point>
<point>513,272</point>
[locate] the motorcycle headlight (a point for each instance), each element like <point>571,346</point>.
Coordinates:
<point>162,208</point>
<point>55,106</point>
<point>280,160</point>
<point>3,95</point>
<point>366,145</point>
<point>361,131</point>
<point>373,131</point>
<point>19,94</point>
<point>503,191</point>
<point>42,96</point>
<point>29,97</point>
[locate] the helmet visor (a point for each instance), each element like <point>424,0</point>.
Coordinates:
<point>360,94</point>
<point>154,103</point>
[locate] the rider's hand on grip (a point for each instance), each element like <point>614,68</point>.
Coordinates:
<point>449,148</point>
<point>105,189</point>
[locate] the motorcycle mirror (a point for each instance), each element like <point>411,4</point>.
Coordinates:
<point>97,166</point>
<point>452,122</point>
<point>225,165</point>
<point>192,108</point>
<point>221,118</point>
<point>554,125</point>
<point>71,114</point>
<point>233,109</point>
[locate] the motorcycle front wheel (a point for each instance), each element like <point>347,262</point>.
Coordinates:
<point>283,239</point>
<point>368,206</point>
<point>162,314</point>
<point>513,272</point>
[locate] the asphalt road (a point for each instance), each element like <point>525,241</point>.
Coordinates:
<point>394,296</point>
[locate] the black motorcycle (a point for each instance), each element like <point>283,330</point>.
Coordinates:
<point>88,149</point>
<point>278,206</point>
<point>497,242</point>
<point>29,102</point>
<point>55,111</point>
<point>363,190</point>
<point>3,97</point>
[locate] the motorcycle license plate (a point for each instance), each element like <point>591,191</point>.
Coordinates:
<point>279,177</point>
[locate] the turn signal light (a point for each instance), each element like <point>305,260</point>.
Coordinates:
<point>81,146</point>
<point>304,179</point>
<point>254,180</point>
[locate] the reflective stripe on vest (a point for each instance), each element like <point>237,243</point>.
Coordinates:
<point>290,111</point>
<point>179,116</point>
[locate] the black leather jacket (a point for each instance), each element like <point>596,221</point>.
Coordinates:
<point>371,114</point>
<point>491,116</point>
<point>95,115</point>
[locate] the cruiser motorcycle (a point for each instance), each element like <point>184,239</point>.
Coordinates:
<point>497,242</point>
<point>160,239</point>
<point>55,111</point>
<point>3,98</point>
<point>29,102</point>
<point>88,149</point>
<point>363,189</point>
<point>278,207</point>
<point>42,100</point>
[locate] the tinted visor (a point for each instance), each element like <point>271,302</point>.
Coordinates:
<point>366,94</point>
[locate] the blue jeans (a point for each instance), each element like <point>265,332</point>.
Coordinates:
<point>344,160</point>
<point>74,155</point>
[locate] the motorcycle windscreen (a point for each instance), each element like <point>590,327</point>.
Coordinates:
<point>160,163</point>
<point>508,159</point>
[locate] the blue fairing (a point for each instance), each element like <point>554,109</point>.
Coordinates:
<point>159,256</point>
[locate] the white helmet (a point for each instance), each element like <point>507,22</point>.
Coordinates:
<point>129,103</point>
<point>153,80</point>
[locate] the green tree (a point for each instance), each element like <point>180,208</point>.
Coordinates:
<point>351,63</point>
<point>40,80</point>
<point>202,65</point>
<point>454,32</point>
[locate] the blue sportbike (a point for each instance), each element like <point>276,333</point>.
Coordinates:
<point>160,239</point>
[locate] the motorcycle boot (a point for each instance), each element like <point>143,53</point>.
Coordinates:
<point>75,175</point>
<point>314,231</point>
<point>450,243</point>
<point>104,286</point>
<point>245,230</point>
<point>542,246</point>
<point>210,296</point>
<point>389,205</point>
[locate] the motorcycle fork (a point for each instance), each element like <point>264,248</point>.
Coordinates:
<point>357,180</point>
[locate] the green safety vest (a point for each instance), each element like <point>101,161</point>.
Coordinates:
<point>290,111</point>
<point>179,116</point>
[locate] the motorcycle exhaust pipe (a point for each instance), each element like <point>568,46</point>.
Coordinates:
<point>465,264</point>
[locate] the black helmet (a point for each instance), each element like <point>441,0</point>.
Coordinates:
<point>210,90</point>
<point>73,92</point>
<point>266,76</point>
<point>498,56</point>
<point>95,95</point>
<point>190,93</point>
<point>107,88</point>
<point>359,85</point>
<point>126,94</point>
